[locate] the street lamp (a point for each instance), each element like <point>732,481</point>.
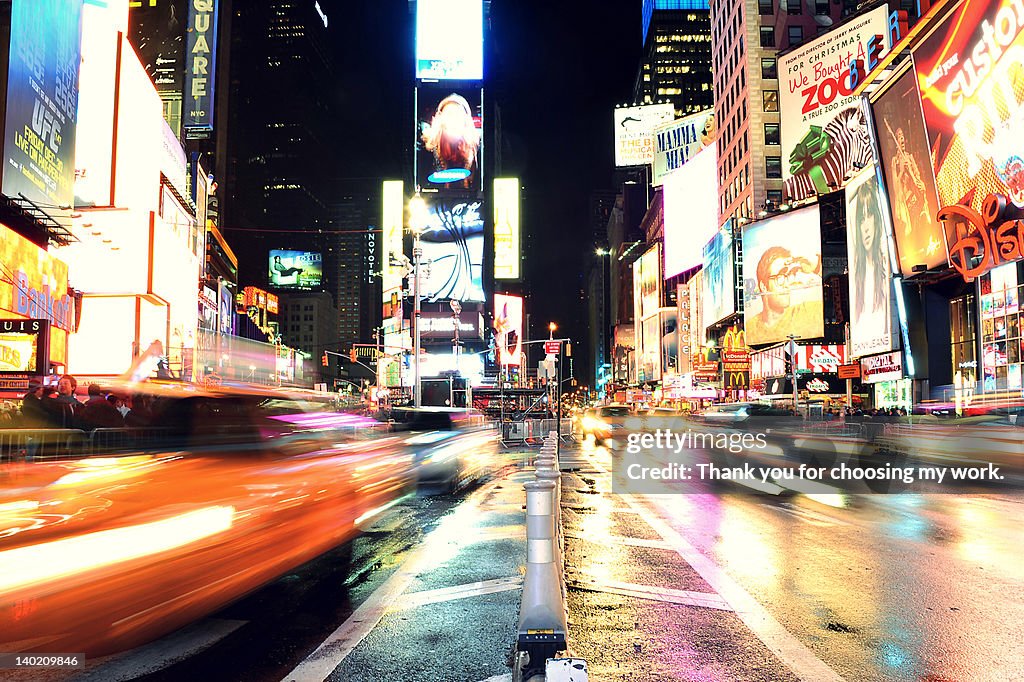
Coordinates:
<point>551,328</point>
<point>417,215</point>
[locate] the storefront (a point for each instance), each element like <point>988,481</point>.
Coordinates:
<point>889,387</point>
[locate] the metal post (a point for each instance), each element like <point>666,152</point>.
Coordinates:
<point>417,254</point>
<point>558,414</point>
<point>792,367</point>
<point>849,382</point>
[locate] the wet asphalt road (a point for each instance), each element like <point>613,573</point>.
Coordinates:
<point>719,585</point>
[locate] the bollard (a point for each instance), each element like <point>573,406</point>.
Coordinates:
<point>542,617</point>
<point>556,511</point>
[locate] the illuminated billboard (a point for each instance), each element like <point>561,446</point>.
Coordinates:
<point>823,129</point>
<point>508,327</point>
<point>676,142</point>
<point>449,39</point>
<point>453,244</point>
<point>691,213</point>
<point>42,101</point>
<point>392,220</point>
<point>869,266</point>
<point>907,166</point>
<point>506,228</point>
<point>200,68</point>
<point>719,289</point>
<point>634,132</point>
<point>158,35</point>
<point>449,133</point>
<point>782,290</point>
<point>23,346</point>
<point>972,94</point>
<point>295,269</point>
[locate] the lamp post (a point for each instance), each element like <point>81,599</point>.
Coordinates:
<point>417,208</point>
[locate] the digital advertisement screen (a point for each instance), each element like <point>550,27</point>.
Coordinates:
<point>23,345</point>
<point>158,35</point>
<point>449,135</point>
<point>634,132</point>
<point>782,292</point>
<point>453,242</point>
<point>907,166</point>
<point>676,142</point>
<point>972,91</point>
<point>691,216</point>
<point>42,101</point>
<point>823,128</point>
<point>869,266</point>
<point>392,226</point>
<point>449,40</point>
<point>508,327</point>
<point>295,269</point>
<point>719,292</point>
<point>506,228</point>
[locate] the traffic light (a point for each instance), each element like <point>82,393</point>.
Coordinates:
<point>323,359</point>
<point>568,349</point>
<point>352,355</point>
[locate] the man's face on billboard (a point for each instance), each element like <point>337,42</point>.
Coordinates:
<point>782,274</point>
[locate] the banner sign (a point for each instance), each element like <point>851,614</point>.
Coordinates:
<point>634,132</point>
<point>851,371</point>
<point>506,228</point>
<point>823,129</point>
<point>42,101</point>
<point>885,367</point>
<point>200,69</point>
<point>508,327</point>
<point>675,142</point>
<point>819,358</point>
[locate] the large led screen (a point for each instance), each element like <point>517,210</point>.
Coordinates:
<point>907,166</point>
<point>42,101</point>
<point>691,211</point>
<point>634,132</point>
<point>719,281</point>
<point>508,327</point>
<point>869,266</point>
<point>782,292</point>
<point>506,228</point>
<point>295,269</point>
<point>972,91</point>
<point>23,346</point>
<point>449,133</point>
<point>158,35</point>
<point>823,128</point>
<point>453,242</point>
<point>676,142</point>
<point>449,39</point>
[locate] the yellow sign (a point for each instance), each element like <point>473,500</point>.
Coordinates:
<point>506,228</point>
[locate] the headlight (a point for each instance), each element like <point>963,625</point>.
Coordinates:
<point>592,424</point>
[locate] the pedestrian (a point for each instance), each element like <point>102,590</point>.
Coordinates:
<point>66,387</point>
<point>98,413</point>
<point>33,414</point>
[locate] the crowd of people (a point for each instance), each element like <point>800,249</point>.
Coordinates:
<point>47,406</point>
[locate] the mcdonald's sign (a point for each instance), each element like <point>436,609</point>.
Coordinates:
<point>736,380</point>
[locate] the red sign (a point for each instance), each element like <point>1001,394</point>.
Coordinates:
<point>552,347</point>
<point>849,371</point>
<point>981,241</point>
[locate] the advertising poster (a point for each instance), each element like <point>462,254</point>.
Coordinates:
<point>200,68</point>
<point>158,34</point>
<point>23,346</point>
<point>782,291</point>
<point>634,132</point>
<point>869,266</point>
<point>972,90</point>
<point>449,39</point>
<point>903,146</point>
<point>696,321</point>
<point>676,142</point>
<point>669,340</point>
<point>506,228</point>
<point>508,328</point>
<point>691,217</point>
<point>647,282</point>
<point>295,269</point>
<point>719,294</point>
<point>392,221</point>
<point>650,353</point>
<point>449,134</point>
<point>823,128</point>
<point>453,243</point>
<point>42,101</point>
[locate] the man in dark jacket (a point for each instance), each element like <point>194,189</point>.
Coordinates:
<point>98,413</point>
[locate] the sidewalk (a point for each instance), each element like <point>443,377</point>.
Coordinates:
<point>450,611</point>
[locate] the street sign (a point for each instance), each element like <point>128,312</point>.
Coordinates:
<point>851,371</point>
<point>552,347</point>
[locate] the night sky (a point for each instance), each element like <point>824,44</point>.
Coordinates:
<point>557,69</point>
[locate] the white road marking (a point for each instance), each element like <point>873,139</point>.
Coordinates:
<point>808,515</point>
<point>624,540</point>
<point>443,594</point>
<point>790,650</point>
<point>339,644</point>
<point>507,677</point>
<point>666,594</point>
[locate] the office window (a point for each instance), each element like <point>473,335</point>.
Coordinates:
<point>773,166</point>
<point>821,8</point>
<point>769,68</point>
<point>764,7</point>
<point>796,34</point>
<point>771,100</point>
<point>794,7</point>
<point>767,36</point>
<point>771,133</point>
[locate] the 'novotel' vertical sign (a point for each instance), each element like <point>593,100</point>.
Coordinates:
<point>200,68</point>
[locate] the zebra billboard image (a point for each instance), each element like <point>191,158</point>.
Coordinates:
<point>824,132</point>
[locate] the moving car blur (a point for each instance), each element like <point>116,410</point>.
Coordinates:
<point>452,448</point>
<point>601,423</point>
<point>112,537</point>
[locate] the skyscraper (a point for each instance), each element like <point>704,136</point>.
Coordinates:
<point>676,63</point>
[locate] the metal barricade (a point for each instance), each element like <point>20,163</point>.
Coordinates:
<point>39,444</point>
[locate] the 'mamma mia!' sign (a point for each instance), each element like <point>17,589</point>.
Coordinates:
<point>677,141</point>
